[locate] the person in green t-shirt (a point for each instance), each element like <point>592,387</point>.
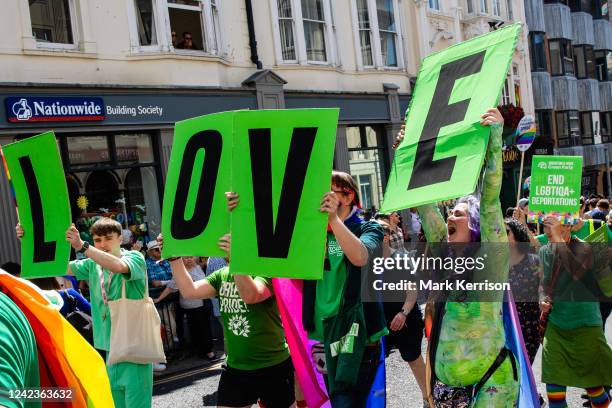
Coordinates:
<point>18,355</point>
<point>105,267</point>
<point>575,352</point>
<point>582,229</point>
<point>258,365</point>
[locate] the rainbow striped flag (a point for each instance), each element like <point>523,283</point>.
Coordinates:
<point>65,358</point>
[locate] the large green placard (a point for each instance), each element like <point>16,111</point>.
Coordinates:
<point>195,211</point>
<point>37,176</point>
<point>282,163</point>
<point>555,188</point>
<point>443,150</point>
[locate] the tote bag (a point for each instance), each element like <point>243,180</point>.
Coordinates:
<point>135,330</point>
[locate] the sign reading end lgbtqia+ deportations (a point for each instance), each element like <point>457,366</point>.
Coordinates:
<point>443,150</point>
<point>555,188</point>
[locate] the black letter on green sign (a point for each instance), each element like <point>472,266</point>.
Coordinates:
<point>44,251</point>
<point>274,241</point>
<point>426,170</point>
<point>212,142</point>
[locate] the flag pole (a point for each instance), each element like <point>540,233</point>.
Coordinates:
<point>518,189</point>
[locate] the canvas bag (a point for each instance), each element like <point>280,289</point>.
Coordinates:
<point>135,330</point>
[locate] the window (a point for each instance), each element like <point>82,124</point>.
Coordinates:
<point>367,163</point>
<point>568,128</point>
<point>586,127</point>
<point>537,50</point>
<point>544,126</point>
<point>365,33</point>
<point>388,32</point>
<point>51,21</point>
<point>484,6</point>
<point>584,60</point>
<point>314,30</point>
<point>586,6</point>
<point>186,22</point>
<point>434,4</point>
<point>378,32</point>
<point>496,8</point>
<point>516,78</point>
<point>603,65</point>
<point>556,2</point>
<point>561,57</point>
<point>145,21</point>
<point>470,6</point>
<point>606,126</point>
<point>509,10</point>
<point>304,31</point>
<point>601,9</point>
<point>505,98</point>
<point>287,30</point>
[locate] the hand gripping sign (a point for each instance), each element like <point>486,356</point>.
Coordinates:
<point>34,169</point>
<point>279,162</point>
<point>443,151</point>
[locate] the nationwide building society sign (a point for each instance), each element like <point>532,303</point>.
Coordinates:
<point>54,109</point>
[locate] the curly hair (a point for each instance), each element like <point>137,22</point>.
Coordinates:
<point>520,232</point>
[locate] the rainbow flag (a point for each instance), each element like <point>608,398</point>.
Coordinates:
<point>65,358</point>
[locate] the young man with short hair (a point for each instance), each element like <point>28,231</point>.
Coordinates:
<point>105,268</point>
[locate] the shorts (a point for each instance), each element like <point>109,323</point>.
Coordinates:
<point>272,386</point>
<point>408,340</point>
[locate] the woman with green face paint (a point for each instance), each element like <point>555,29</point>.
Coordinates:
<point>468,361</point>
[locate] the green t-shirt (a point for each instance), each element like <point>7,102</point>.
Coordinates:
<point>330,289</point>
<point>567,313</point>
<point>87,269</point>
<point>18,354</point>
<point>254,335</point>
<point>588,227</point>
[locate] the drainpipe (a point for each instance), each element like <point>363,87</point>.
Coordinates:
<point>252,40</point>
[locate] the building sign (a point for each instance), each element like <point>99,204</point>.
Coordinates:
<point>54,109</point>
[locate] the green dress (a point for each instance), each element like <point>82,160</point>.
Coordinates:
<point>472,333</point>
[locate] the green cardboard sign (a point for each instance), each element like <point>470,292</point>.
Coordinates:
<point>282,163</point>
<point>36,174</point>
<point>600,235</point>
<point>555,188</point>
<point>444,147</point>
<point>195,211</point>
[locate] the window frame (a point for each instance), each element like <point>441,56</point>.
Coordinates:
<point>573,134</point>
<point>331,53</point>
<point>564,45</point>
<point>74,26</point>
<point>509,12</point>
<point>532,52</point>
<point>605,117</point>
<point>606,72</point>
<point>434,5</point>
<point>585,140</point>
<point>163,28</point>
<point>375,37</point>
<point>582,63</point>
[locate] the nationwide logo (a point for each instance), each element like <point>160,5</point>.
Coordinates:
<point>54,109</point>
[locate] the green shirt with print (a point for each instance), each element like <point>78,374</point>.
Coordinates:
<point>254,335</point>
<point>330,289</point>
<point>87,269</point>
<point>18,354</point>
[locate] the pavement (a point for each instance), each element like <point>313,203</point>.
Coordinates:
<point>198,387</point>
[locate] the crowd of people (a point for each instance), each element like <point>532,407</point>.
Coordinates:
<point>467,363</point>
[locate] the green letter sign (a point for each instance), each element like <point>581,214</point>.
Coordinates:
<point>36,173</point>
<point>443,150</point>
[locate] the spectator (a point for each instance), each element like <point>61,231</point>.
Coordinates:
<point>187,43</point>
<point>173,38</point>
<point>510,212</point>
<point>602,209</point>
<point>198,312</point>
<point>157,270</point>
<point>396,240</point>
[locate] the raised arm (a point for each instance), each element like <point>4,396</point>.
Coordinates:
<point>492,227</point>
<point>188,288</point>
<point>432,222</point>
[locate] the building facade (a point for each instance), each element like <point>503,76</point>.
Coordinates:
<point>150,63</point>
<point>570,45</point>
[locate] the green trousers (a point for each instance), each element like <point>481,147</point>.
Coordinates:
<point>131,384</point>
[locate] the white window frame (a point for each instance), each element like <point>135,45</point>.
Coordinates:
<point>74,25</point>
<point>375,36</point>
<point>163,30</point>
<point>483,7</point>
<point>299,37</point>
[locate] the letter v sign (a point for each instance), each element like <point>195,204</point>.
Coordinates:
<point>273,241</point>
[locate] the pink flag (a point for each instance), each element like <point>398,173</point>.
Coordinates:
<point>289,298</point>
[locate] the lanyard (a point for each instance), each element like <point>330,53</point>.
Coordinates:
<point>102,288</point>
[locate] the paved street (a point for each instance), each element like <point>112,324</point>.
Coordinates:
<point>402,391</point>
